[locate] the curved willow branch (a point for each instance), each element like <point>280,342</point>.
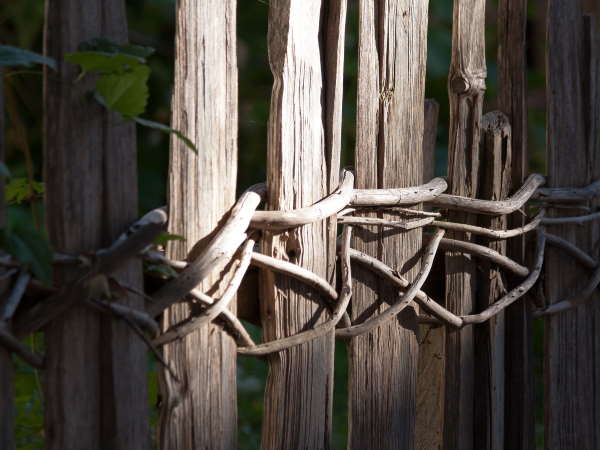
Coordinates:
<point>400,196</point>
<point>329,206</point>
<point>403,301</point>
<point>485,252</point>
<point>11,343</point>
<point>572,249</point>
<point>569,220</point>
<point>180,331</point>
<point>568,195</point>
<point>220,249</point>
<point>492,207</point>
<point>319,330</point>
<point>385,271</point>
<point>493,234</point>
<point>515,293</point>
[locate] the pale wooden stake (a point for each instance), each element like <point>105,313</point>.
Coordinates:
<point>466,84</point>
<point>383,363</point>
<point>496,164</point>
<point>95,389</point>
<point>430,379</point>
<point>200,411</point>
<point>299,389</point>
<point>570,420</point>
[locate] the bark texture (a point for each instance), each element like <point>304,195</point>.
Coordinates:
<point>383,363</point>
<point>298,397</point>
<point>570,412</point>
<point>95,386</point>
<point>199,410</point>
<point>466,83</point>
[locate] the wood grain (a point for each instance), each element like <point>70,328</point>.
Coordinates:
<point>298,396</point>
<point>201,411</point>
<point>466,83</point>
<point>489,337</point>
<point>570,415</point>
<point>383,363</point>
<point>512,101</point>
<point>430,380</point>
<point>95,386</point>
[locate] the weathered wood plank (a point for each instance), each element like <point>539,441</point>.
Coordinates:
<point>383,363</point>
<point>466,83</point>
<point>512,101</point>
<point>202,412</point>
<point>570,420</point>
<point>6,367</point>
<point>299,389</point>
<point>96,380</point>
<point>430,379</point>
<point>489,339</point>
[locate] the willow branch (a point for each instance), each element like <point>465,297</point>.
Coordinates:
<point>329,206</point>
<point>11,343</point>
<point>401,196</point>
<point>493,234</point>
<point>572,249</point>
<point>324,328</point>
<point>9,306</point>
<point>566,195</point>
<point>210,313</point>
<point>140,318</point>
<point>395,278</point>
<point>571,220</point>
<point>517,292</point>
<point>219,250</point>
<point>485,252</point>
<point>492,207</point>
<point>403,301</point>
<point>374,221</point>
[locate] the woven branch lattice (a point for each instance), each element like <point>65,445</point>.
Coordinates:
<point>235,241</point>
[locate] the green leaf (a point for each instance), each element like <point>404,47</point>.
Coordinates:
<point>21,189</point>
<point>163,238</point>
<point>125,93</point>
<point>31,248</point>
<point>4,170</point>
<point>13,56</point>
<point>166,129</point>
<point>107,46</point>
<point>104,63</point>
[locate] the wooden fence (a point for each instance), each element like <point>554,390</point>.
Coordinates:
<point>439,347</point>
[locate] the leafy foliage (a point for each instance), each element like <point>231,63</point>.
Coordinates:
<point>13,56</point>
<point>163,238</point>
<point>122,85</point>
<point>21,189</point>
<point>30,247</point>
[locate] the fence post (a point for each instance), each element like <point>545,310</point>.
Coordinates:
<point>570,420</point>
<point>92,362</point>
<point>391,79</point>
<point>201,411</point>
<point>466,83</point>
<point>7,399</point>
<point>512,101</point>
<point>489,338</point>
<point>430,378</point>
<point>298,396</point>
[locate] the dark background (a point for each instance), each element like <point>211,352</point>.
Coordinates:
<point>152,24</point>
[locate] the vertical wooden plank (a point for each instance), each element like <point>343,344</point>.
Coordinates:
<point>383,363</point>
<point>489,339</point>
<point>95,386</point>
<point>466,85</point>
<point>300,381</point>
<point>201,412</point>
<point>430,378</point>
<point>7,399</point>
<point>570,420</point>
<point>332,49</point>
<point>512,101</point>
